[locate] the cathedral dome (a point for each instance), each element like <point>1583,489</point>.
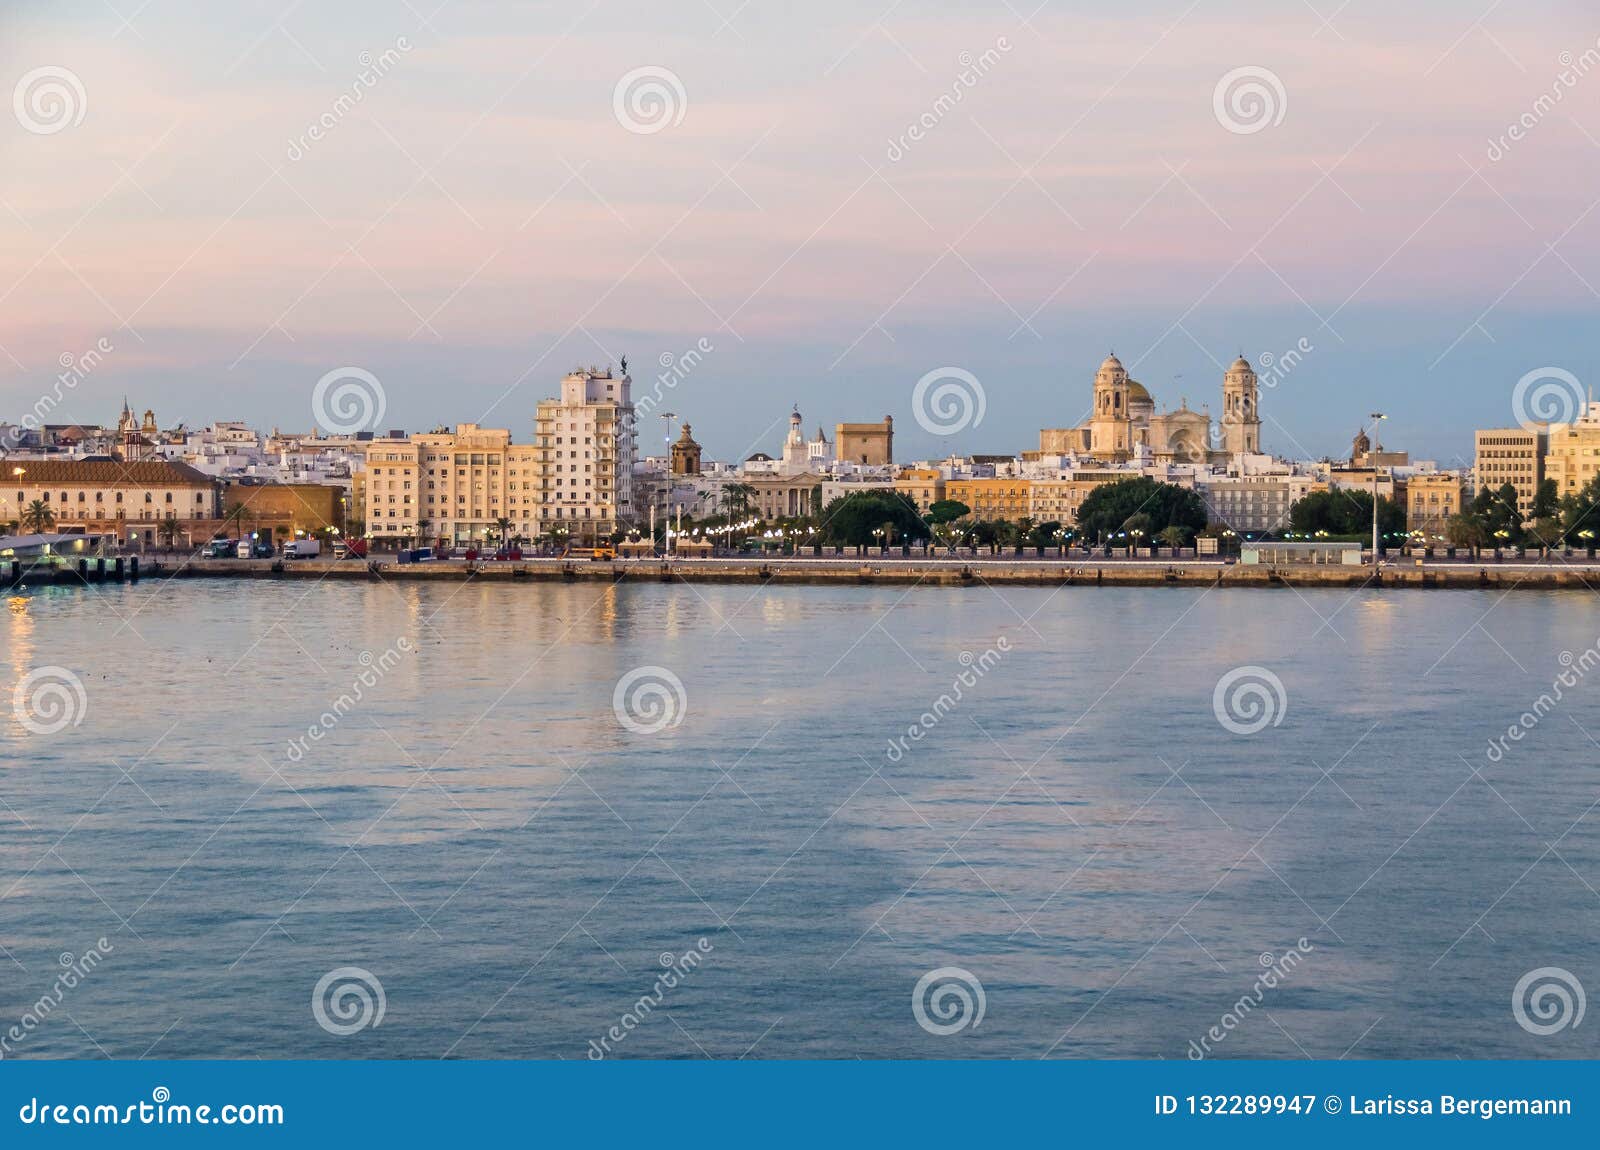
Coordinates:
<point>1137,393</point>
<point>1112,363</point>
<point>1241,364</point>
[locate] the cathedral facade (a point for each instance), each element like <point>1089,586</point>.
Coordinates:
<point>1124,422</point>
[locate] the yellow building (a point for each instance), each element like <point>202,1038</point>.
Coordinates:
<point>388,491</point>
<point>1430,502</point>
<point>285,509</point>
<point>992,498</point>
<point>1058,500</point>
<point>924,486</point>
<point>1511,455</point>
<point>1572,452</point>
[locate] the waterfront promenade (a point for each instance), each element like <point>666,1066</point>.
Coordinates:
<point>1575,573</point>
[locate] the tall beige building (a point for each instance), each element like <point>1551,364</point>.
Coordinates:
<point>1511,455</point>
<point>583,464</point>
<point>1572,451</point>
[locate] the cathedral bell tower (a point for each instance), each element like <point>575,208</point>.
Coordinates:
<point>1111,426</point>
<point>1241,416</point>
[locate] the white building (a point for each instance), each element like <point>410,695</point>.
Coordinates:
<point>585,447</point>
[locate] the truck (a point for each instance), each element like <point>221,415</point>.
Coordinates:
<point>302,549</point>
<point>605,552</point>
<point>350,549</point>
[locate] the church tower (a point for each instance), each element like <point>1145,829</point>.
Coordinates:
<point>685,454</point>
<point>1111,426</point>
<point>794,447</point>
<point>1241,416</point>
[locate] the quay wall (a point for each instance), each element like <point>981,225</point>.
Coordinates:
<point>1579,575</point>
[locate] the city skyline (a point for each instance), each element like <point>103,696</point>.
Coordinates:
<point>469,220</point>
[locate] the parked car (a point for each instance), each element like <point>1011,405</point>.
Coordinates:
<point>514,554</point>
<point>222,549</point>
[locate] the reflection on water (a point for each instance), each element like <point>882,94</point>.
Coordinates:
<point>268,784</point>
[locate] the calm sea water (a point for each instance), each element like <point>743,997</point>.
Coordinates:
<point>1078,831</point>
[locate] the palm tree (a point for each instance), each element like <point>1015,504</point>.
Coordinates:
<point>37,517</point>
<point>1172,535</point>
<point>1466,530</point>
<point>422,529</point>
<point>167,531</point>
<point>736,498</point>
<point>502,526</point>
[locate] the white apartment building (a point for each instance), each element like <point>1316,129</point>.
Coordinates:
<point>584,447</point>
<point>1254,502</point>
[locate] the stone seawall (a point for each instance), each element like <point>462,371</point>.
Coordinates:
<point>902,572</point>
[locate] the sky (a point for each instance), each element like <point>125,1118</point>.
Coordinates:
<point>830,202</point>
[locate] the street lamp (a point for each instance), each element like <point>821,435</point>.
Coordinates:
<point>1376,417</point>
